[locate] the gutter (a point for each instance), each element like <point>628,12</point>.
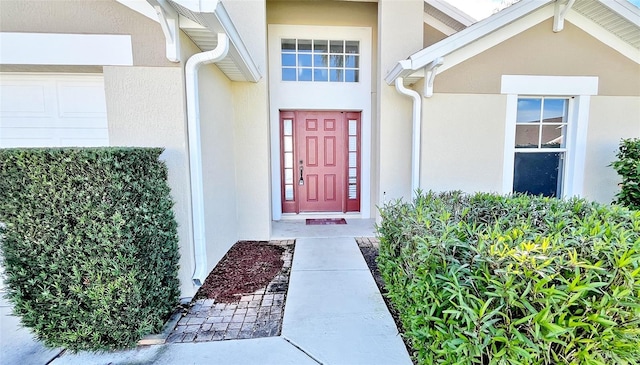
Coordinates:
<point>195,155</point>
<point>417,127</point>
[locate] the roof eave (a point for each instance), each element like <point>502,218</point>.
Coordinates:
<point>213,16</point>
<point>458,40</point>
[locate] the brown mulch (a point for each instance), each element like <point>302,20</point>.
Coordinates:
<point>247,267</point>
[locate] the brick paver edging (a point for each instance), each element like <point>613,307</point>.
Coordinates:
<point>257,314</point>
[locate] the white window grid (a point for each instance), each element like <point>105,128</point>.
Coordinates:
<point>320,60</point>
<point>540,124</point>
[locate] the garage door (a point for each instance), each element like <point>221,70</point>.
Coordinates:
<point>52,110</point>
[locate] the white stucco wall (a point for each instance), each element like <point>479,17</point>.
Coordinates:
<point>400,34</point>
<point>611,119</point>
<point>251,126</point>
<point>463,142</point>
<point>463,147</point>
<point>145,108</point>
<point>218,159</point>
<point>252,166</point>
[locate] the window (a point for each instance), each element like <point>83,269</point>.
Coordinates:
<point>540,145</point>
<point>546,134</point>
<point>287,159</point>
<point>320,60</point>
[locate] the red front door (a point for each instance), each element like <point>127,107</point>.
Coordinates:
<point>318,167</point>
<point>319,142</point>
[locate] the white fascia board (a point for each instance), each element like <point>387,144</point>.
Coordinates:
<point>453,12</point>
<point>200,6</point>
<point>623,8</point>
<point>604,36</point>
<point>549,85</point>
<point>65,49</point>
<point>497,37</point>
<point>247,65</point>
<point>475,32</point>
<point>401,69</point>
<point>217,20</point>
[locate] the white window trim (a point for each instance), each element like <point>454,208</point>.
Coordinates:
<point>579,89</point>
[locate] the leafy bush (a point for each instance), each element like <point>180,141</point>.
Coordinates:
<point>89,243</point>
<point>486,279</point>
<point>628,166</point>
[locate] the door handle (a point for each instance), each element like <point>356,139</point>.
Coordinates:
<point>301,181</point>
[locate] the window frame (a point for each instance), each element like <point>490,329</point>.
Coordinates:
<point>578,89</point>
<point>344,69</point>
<point>563,150</point>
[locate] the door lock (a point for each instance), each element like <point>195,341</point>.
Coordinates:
<point>301,181</point>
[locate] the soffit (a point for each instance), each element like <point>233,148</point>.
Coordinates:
<point>202,28</point>
<point>626,29</point>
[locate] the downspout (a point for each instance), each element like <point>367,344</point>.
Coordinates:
<point>417,126</point>
<point>195,154</point>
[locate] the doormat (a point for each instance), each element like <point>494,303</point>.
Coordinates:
<point>325,221</point>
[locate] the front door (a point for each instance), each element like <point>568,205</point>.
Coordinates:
<point>320,161</point>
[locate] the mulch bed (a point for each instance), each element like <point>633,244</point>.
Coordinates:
<point>243,297</point>
<point>247,267</point>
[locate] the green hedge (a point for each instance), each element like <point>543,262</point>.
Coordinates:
<point>89,243</point>
<point>486,279</point>
<point>628,166</point>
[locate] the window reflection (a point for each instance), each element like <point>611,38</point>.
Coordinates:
<point>320,60</point>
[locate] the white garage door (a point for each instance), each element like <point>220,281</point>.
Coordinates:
<point>52,110</point>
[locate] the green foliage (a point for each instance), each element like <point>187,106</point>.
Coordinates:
<point>628,166</point>
<point>486,279</point>
<point>89,243</point>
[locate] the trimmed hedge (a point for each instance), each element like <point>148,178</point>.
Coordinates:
<point>486,279</point>
<point>628,166</point>
<point>89,243</point>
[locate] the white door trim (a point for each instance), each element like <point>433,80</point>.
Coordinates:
<point>290,95</point>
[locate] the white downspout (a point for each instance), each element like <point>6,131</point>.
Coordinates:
<point>195,154</point>
<point>417,126</point>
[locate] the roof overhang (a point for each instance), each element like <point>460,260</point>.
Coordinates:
<point>615,22</point>
<point>201,21</point>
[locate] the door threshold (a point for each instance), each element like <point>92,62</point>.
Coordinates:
<point>320,215</point>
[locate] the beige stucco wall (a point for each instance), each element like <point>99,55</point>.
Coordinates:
<point>431,35</point>
<point>145,107</point>
<point>540,51</point>
<point>463,147</point>
<point>251,123</point>
<point>397,20</point>
<point>610,119</point>
<point>87,17</point>
<point>252,168</point>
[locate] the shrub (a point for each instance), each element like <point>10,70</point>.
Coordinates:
<point>486,279</point>
<point>628,166</point>
<point>89,243</point>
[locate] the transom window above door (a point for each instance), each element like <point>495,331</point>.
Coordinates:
<point>320,60</point>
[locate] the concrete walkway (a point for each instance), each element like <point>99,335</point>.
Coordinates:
<point>17,344</point>
<point>334,310</point>
<point>334,315</point>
